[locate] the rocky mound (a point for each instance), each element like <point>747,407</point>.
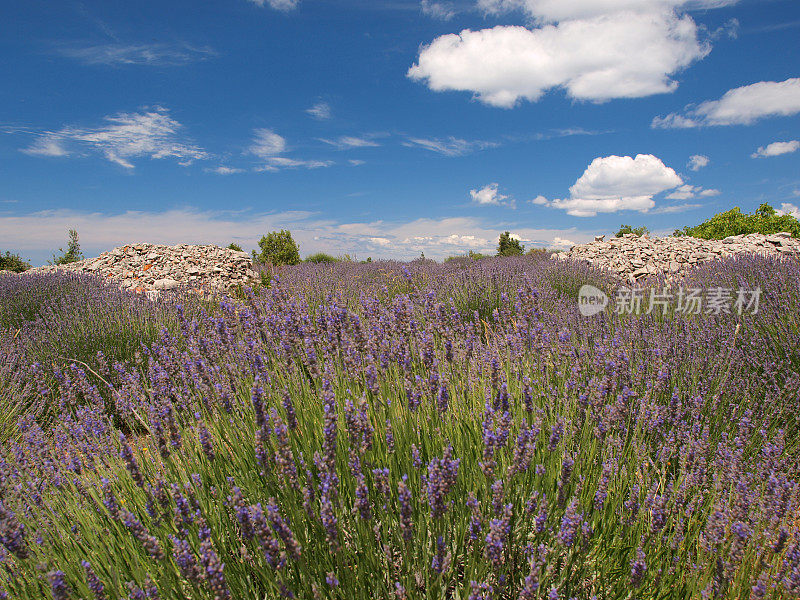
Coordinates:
<point>632,257</point>
<point>151,268</point>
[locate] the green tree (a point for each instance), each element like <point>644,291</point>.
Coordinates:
<point>13,262</point>
<point>236,247</point>
<point>765,219</point>
<point>509,246</point>
<point>278,248</point>
<point>640,231</point>
<point>71,254</point>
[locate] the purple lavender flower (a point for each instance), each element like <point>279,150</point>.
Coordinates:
<point>638,568</point>
<point>95,585</point>
<point>58,585</point>
<point>205,440</point>
<point>406,511</point>
<point>12,533</point>
<point>130,461</point>
<point>570,523</point>
<point>213,568</point>
<point>440,480</point>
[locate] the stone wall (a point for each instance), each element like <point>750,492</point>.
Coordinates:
<point>632,257</point>
<point>152,267</point>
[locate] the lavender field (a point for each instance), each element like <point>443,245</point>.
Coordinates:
<point>399,430</point>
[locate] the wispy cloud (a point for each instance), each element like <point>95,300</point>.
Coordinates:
<point>776,149</point>
<point>438,10</point>
<point>347,142</point>
<point>320,111</point>
<point>124,137</point>
<point>697,162</point>
<point>675,208</point>
<point>451,146</point>
<point>268,146</point>
<point>223,170</point>
<point>161,55</point>
<point>282,5</point>
<point>739,106</point>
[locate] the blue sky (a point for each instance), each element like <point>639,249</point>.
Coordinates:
<point>391,127</point>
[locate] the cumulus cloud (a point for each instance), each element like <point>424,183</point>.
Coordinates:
<point>282,5</point>
<point>789,209</point>
<point>586,52</point>
<point>697,162</point>
<point>451,146</point>
<point>614,183</point>
<point>160,55</point>
<point>438,10</point>
<point>739,106</point>
<point>710,192</point>
<point>489,195</point>
<point>347,142</point>
<point>125,136</point>
<point>686,191</point>
<point>776,149</point>
<point>34,233</point>
<point>320,111</point>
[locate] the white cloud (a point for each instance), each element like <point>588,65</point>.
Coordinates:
<point>683,192</point>
<point>283,5</point>
<point>137,54</point>
<point>267,143</point>
<point>223,170</point>
<point>739,106</point>
<point>614,183</point>
<point>559,243</point>
<point>356,162</point>
<point>675,208</point>
<point>541,200</point>
<point>347,142</point>
<point>320,111</point>
<point>489,195</point>
<point>621,55</point>
<point>697,162</point>
<point>276,163</point>
<point>451,146</point>
<point>789,209</point>
<point>776,149</point>
<point>438,10</point>
<point>34,232</point>
<point>125,136</point>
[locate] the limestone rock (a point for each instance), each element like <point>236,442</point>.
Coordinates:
<point>632,257</point>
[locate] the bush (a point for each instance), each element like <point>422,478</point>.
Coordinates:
<point>764,220</point>
<point>13,262</point>
<point>508,246</point>
<point>236,247</point>
<point>321,257</point>
<point>278,248</point>
<point>72,253</point>
<point>640,231</point>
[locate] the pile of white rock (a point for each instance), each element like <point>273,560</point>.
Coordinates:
<point>151,268</point>
<point>633,257</point>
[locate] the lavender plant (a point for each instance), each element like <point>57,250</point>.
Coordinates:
<point>355,431</point>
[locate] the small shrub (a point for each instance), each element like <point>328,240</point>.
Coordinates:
<point>13,262</point>
<point>236,247</point>
<point>278,248</point>
<point>509,246</point>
